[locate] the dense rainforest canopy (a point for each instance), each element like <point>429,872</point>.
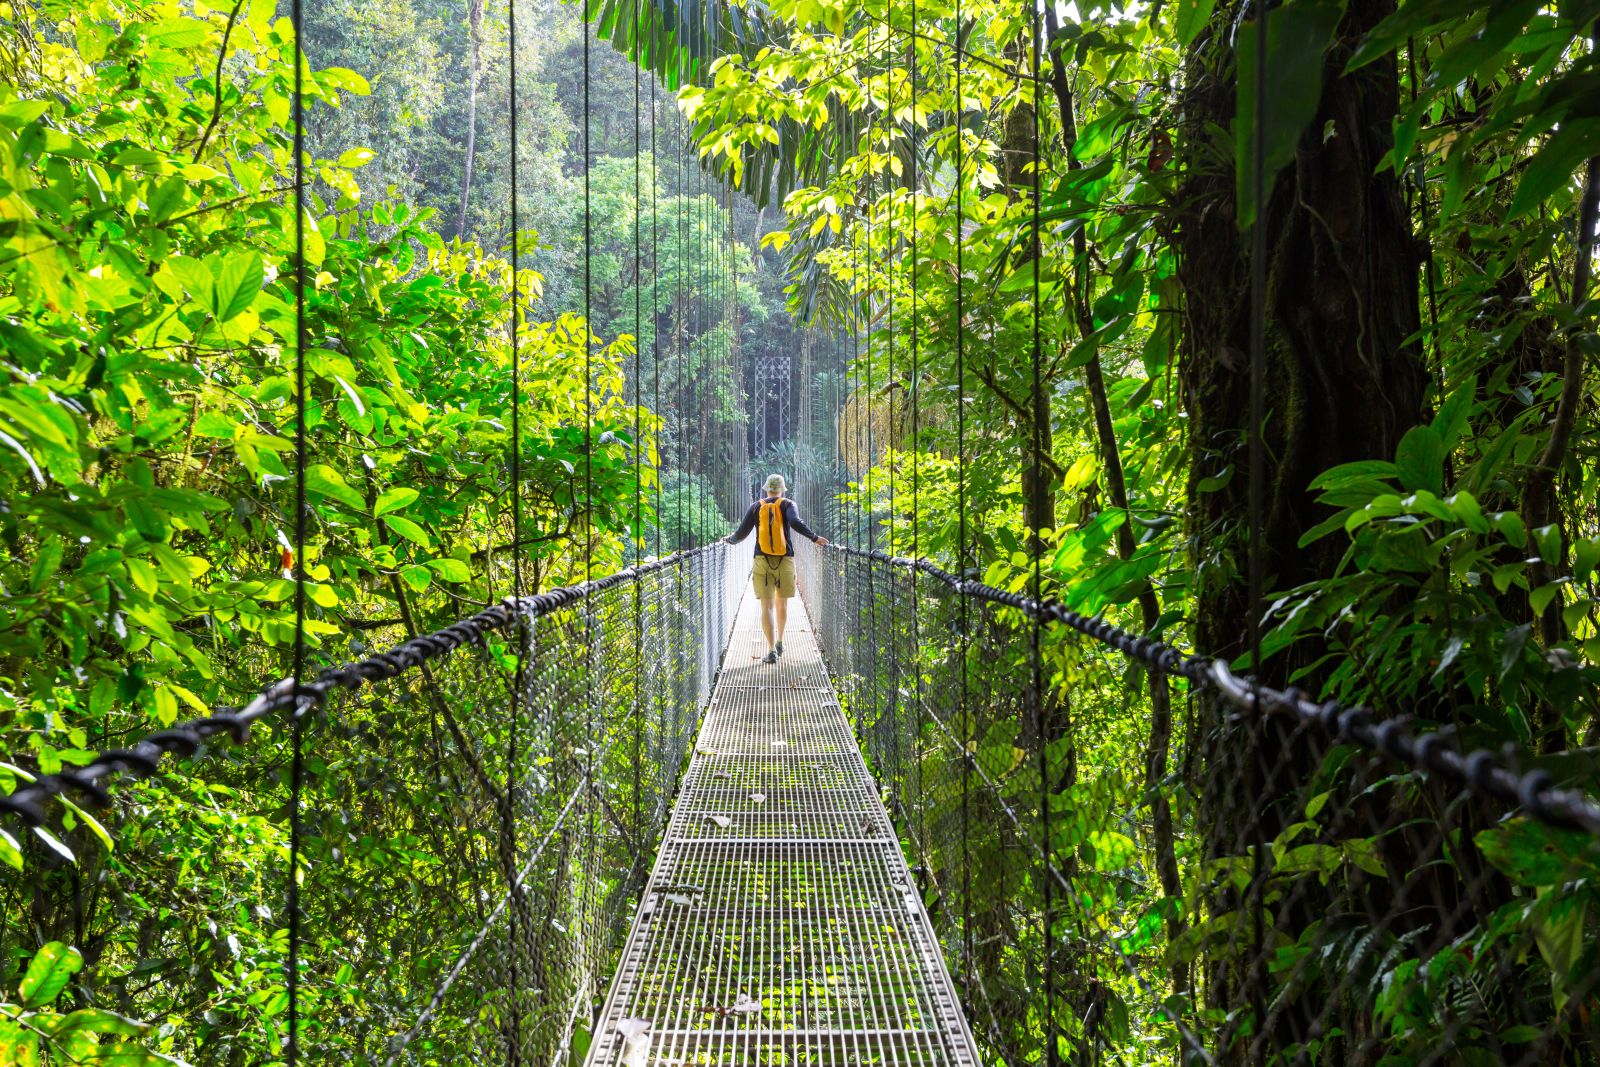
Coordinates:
<point>1011,250</point>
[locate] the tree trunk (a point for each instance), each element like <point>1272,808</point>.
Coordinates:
<point>1163,837</point>
<point>474,74</point>
<point>1342,383</point>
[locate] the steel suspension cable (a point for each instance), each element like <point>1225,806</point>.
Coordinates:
<point>961,511</point>
<point>637,547</point>
<point>297,726</point>
<point>514,920</point>
<point>890,452</point>
<point>1041,492</point>
<point>589,625</point>
<point>1257,484</point>
<point>655,309</point>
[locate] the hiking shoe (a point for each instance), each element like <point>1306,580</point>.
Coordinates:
<point>770,657</point>
<point>779,649</point>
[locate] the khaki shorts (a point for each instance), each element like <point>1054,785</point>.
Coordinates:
<point>771,574</point>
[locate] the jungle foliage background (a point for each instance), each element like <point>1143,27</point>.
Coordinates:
<point>1431,539</point>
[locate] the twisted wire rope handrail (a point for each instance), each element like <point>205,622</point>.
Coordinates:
<point>1436,752</point>
<point>143,758</point>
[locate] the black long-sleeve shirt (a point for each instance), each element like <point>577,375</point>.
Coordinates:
<point>791,526</point>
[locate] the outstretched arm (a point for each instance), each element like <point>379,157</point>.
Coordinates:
<point>748,524</point>
<point>801,528</point>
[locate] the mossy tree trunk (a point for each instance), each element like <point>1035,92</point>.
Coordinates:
<point>1343,381</point>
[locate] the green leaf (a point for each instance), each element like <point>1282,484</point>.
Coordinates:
<point>20,113</point>
<point>1556,164</point>
<point>1359,471</point>
<point>195,277</point>
<point>1298,34</point>
<point>1509,523</point>
<point>408,529</point>
<point>393,500</point>
<point>127,1054</point>
<point>10,849</point>
<point>1191,19</point>
<point>316,247</point>
<point>325,481</point>
<point>1465,506</point>
<point>90,821</point>
<point>450,570</point>
<point>1452,420</point>
<point>51,968</point>
<point>1548,540</point>
<point>90,1021</point>
<point>237,284</point>
<point>1585,557</point>
<point>1419,459</point>
<point>178,32</point>
<point>1534,854</point>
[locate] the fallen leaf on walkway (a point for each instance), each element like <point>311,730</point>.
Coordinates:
<point>759,798</point>
<point>723,775</point>
<point>721,820</point>
<point>635,1042</point>
<point>743,1004</point>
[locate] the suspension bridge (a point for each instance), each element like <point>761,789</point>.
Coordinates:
<point>655,848</point>
<point>964,819</point>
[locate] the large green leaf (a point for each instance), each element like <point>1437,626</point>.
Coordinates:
<point>1419,459</point>
<point>51,968</point>
<point>237,284</point>
<point>1298,35</point>
<point>325,481</point>
<point>1191,18</point>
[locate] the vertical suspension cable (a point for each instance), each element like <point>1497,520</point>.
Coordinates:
<point>916,429</point>
<point>1257,487</point>
<point>589,627</point>
<point>890,452</point>
<point>514,923</point>
<point>961,511</point>
<point>1036,547</point>
<point>638,442</point>
<point>588,326</point>
<point>681,328</point>
<point>655,307</point>
<point>297,729</point>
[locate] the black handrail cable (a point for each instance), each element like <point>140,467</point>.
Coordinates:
<point>1436,752</point>
<point>297,726</point>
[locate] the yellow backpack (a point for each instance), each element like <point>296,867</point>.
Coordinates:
<point>770,536</point>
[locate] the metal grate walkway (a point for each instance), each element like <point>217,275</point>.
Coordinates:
<point>780,924</point>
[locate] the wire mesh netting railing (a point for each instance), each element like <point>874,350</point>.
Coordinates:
<point>1291,883</point>
<point>476,814</point>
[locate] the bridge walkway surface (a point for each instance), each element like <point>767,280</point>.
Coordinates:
<point>780,923</point>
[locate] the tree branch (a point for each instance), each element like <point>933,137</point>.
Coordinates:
<point>216,84</point>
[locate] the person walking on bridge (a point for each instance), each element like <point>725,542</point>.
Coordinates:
<point>775,520</point>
